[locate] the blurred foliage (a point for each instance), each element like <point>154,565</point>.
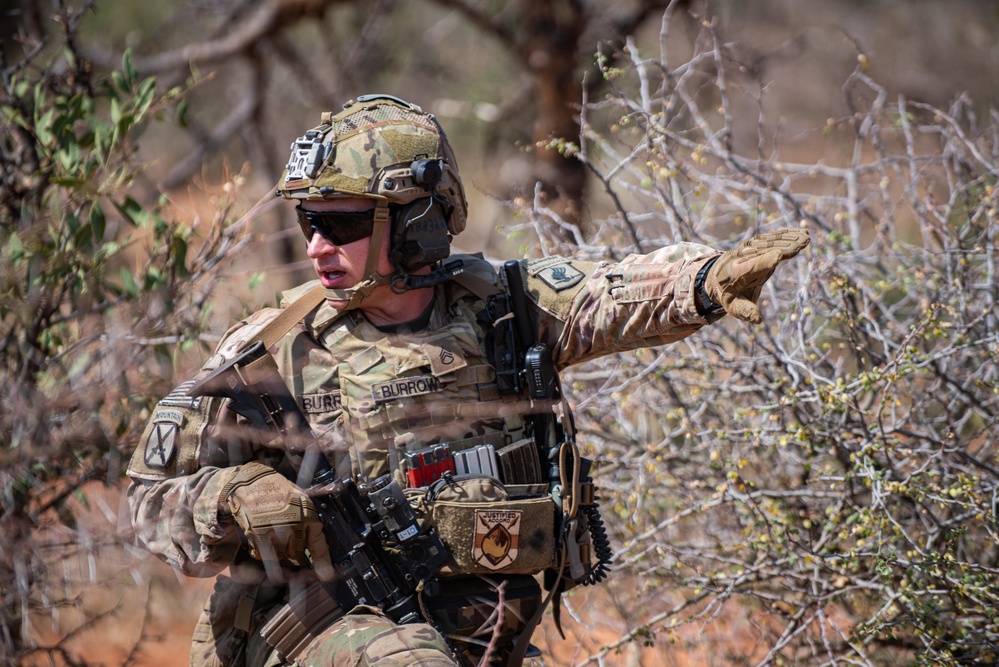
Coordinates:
<point>99,290</point>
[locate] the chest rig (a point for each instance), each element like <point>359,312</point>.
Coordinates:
<point>466,412</point>
<point>404,396</point>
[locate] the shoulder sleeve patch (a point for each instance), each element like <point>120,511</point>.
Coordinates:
<point>554,284</point>
<point>161,445</point>
<point>172,440</point>
<point>556,272</point>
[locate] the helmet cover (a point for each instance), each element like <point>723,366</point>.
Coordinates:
<point>367,150</point>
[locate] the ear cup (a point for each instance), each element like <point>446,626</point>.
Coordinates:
<point>419,234</point>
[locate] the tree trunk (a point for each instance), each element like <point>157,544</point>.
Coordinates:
<point>552,32</point>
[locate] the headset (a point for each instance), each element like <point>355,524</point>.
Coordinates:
<point>420,231</point>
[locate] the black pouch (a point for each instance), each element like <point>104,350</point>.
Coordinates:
<point>467,611</point>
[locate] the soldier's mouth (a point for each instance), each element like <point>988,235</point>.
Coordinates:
<point>331,278</point>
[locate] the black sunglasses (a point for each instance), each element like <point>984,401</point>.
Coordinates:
<point>337,227</point>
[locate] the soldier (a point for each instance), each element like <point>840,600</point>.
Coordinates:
<point>409,366</point>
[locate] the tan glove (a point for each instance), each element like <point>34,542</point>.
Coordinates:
<point>277,518</point>
<point>736,278</point>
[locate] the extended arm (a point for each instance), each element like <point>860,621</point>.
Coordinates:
<point>588,310</point>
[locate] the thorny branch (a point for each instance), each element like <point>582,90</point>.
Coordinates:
<point>832,474</point>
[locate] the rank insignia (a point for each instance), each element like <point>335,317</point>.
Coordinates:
<point>444,360</point>
<point>497,538</point>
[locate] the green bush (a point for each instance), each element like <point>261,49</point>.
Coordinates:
<point>100,289</point>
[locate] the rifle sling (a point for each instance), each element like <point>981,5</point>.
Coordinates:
<point>274,330</point>
<point>289,317</point>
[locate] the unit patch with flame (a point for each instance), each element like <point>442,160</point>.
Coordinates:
<point>497,538</point>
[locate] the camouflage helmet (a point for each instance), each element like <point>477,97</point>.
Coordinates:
<point>379,147</point>
<point>388,150</point>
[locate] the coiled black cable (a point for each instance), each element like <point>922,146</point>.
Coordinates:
<point>601,545</point>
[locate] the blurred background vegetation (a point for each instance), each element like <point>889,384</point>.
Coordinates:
<point>818,491</point>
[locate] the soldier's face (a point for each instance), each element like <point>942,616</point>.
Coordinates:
<point>342,266</point>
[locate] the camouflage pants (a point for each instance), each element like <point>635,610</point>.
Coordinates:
<point>478,614</point>
<point>362,638</point>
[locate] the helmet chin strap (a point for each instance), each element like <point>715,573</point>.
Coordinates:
<point>372,279</point>
<point>356,294</point>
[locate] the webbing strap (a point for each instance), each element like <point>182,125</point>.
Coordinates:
<point>523,642</point>
<point>477,285</point>
<point>289,317</point>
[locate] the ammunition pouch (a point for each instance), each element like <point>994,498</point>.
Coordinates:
<point>230,614</point>
<point>489,528</point>
<point>297,623</point>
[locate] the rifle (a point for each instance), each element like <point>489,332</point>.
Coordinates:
<point>381,555</point>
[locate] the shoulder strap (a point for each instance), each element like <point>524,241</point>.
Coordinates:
<point>477,285</point>
<point>289,317</point>
<point>473,277</point>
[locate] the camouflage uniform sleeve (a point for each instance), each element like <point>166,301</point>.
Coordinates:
<point>177,520</point>
<point>180,466</point>
<point>587,310</point>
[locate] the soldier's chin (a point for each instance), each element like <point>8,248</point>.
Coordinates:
<point>341,298</point>
<point>337,303</point>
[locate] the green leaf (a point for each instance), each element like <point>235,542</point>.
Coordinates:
<point>144,97</point>
<point>14,117</point>
<point>43,128</point>
<point>97,221</point>
<point>124,125</point>
<point>14,248</point>
<point>39,97</point>
<point>133,212</point>
<point>83,234</point>
<point>69,155</point>
<point>182,113</point>
<point>102,138</point>
<point>154,278</point>
<point>128,282</point>
<point>179,249</point>
<point>21,89</point>
<point>70,183</point>
<point>205,314</point>
<point>119,83</point>
<point>128,68</point>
